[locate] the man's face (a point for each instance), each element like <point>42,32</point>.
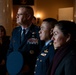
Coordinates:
<point>21,16</point>
<point>44,32</point>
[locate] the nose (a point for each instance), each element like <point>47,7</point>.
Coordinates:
<point>39,31</point>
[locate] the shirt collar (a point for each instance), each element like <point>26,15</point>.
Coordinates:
<point>46,43</point>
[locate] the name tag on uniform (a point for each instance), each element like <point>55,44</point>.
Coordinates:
<point>32,41</point>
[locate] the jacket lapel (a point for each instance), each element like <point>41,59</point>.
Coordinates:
<point>18,36</point>
<point>27,36</point>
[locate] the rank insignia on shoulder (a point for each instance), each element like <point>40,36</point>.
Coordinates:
<point>33,32</point>
<point>31,51</point>
<point>50,43</point>
<point>43,54</point>
<point>46,51</point>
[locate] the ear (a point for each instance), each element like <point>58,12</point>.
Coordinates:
<point>68,37</point>
<point>51,31</point>
<point>29,16</point>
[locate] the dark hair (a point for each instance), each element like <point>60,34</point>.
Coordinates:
<point>51,21</point>
<point>3,29</point>
<point>28,8</point>
<point>34,17</point>
<point>67,27</point>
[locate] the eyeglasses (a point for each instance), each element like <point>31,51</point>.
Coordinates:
<point>20,14</point>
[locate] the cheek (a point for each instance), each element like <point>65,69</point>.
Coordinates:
<point>19,19</point>
<point>22,19</point>
<point>42,35</point>
<point>47,36</point>
<point>59,42</point>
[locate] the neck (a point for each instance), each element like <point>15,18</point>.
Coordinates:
<point>26,25</point>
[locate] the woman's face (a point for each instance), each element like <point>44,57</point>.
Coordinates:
<point>58,37</point>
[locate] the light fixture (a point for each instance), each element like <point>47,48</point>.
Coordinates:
<point>38,15</point>
<point>38,18</point>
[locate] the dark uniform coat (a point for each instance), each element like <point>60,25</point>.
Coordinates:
<point>64,62</point>
<point>43,60</point>
<point>29,48</point>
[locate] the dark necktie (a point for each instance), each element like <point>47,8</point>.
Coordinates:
<point>23,35</point>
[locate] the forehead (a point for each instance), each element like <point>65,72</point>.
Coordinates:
<point>22,10</point>
<point>46,24</point>
<point>56,28</point>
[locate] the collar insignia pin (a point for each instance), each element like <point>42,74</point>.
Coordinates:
<point>43,54</point>
<point>46,51</point>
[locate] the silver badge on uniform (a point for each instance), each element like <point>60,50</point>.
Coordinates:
<point>46,51</point>
<point>43,54</point>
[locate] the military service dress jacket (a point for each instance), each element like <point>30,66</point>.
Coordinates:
<point>44,59</point>
<point>29,48</point>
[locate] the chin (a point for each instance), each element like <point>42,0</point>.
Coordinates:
<point>55,47</point>
<point>18,23</point>
<point>41,39</point>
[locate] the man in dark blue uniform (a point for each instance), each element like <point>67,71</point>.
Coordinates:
<point>47,53</point>
<point>25,39</point>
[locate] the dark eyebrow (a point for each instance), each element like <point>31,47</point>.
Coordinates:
<point>20,14</point>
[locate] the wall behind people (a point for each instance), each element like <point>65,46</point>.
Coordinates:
<point>46,8</point>
<point>75,11</point>
<point>49,8</point>
<point>6,15</point>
